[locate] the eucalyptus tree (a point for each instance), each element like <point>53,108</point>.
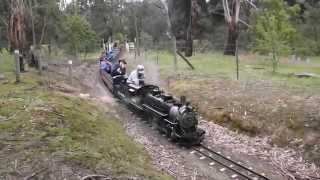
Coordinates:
<point>17,25</point>
<point>4,15</point>
<point>310,27</point>
<point>272,29</point>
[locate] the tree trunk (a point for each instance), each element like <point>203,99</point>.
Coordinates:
<point>231,12</point>
<point>16,25</point>
<point>188,39</point>
<point>274,61</point>
<point>43,31</point>
<point>32,24</point>
<point>230,47</point>
<point>173,38</point>
<point>189,45</point>
<point>137,48</point>
<point>49,47</point>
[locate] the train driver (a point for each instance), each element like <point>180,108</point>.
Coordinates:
<point>136,77</point>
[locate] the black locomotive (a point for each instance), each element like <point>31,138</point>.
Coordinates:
<point>176,119</point>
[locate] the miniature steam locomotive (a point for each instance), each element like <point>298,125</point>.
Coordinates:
<point>176,119</point>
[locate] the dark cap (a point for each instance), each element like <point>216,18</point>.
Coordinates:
<point>123,60</point>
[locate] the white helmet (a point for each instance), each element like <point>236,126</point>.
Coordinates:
<point>140,68</point>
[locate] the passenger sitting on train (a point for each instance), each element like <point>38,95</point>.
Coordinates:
<point>109,56</point>
<point>106,66</point>
<point>115,48</point>
<point>102,56</point>
<point>103,65</point>
<point>119,68</point>
<point>113,54</point>
<point>112,57</point>
<point>136,77</point>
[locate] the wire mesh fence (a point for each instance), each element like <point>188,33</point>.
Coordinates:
<point>209,59</point>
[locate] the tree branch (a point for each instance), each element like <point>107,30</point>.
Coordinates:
<point>158,6</point>
<point>240,20</point>
<point>226,10</point>
<point>4,21</point>
<point>251,3</point>
<point>237,11</point>
<point>161,8</point>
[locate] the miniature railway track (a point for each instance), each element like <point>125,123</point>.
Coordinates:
<point>235,169</point>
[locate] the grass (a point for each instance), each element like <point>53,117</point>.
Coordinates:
<point>6,61</point>
<point>251,67</point>
<point>34,123</point>
<point>261,103</point>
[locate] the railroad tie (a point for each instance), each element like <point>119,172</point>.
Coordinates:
<point>234,176</point>
<point>222,169</point>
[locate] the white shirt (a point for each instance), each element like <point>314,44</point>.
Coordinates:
<point>133,78</point>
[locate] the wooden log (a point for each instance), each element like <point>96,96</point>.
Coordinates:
<point>186,60</point>
<point>306,75</point>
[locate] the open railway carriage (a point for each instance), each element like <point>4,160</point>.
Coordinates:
<point>177,119</point>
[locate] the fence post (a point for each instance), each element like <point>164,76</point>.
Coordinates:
<point>237,59</point>
<point>145,54</point>
<point>17,61</point>
<point>157,55</point>
<point>70,71</point>
<point>39,55</point>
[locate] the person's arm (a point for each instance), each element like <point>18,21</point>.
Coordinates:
<point>123,71</point>
<point>117,70</point>
<point>132,78</point>
<point>129,80</point>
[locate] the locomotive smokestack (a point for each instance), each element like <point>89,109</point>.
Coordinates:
<point>183,100</point>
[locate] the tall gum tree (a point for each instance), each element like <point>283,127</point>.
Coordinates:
<point>231,13</point>
<point>16,25</point>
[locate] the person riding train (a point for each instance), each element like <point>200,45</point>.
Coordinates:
<point>119,68</point>
<point>106,66</point>
<point>136,77</point>
<point>108,59</point>
<point>112,55</point>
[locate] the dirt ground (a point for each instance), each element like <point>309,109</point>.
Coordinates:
<point>254,119</point>
<point>166,156</point>
<point>257,152</point>
<point>289,117</point>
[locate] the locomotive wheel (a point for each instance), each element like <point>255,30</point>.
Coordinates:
<point>173,136</point>
<point>168,131</point>
<point>153,121</point>
<point>145,117</point>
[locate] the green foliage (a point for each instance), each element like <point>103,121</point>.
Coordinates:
<point>3,24</point>
<point>272,30</point>
<point>119,37</point>
<point>147,40</point>
<point>310,28</point>
<point>79,33</point>
<point>75,128</point>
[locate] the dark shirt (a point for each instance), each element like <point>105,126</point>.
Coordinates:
<point>117,70</point>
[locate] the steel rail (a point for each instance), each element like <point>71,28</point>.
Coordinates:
<point>224,165</point>
<point>237,164</point>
